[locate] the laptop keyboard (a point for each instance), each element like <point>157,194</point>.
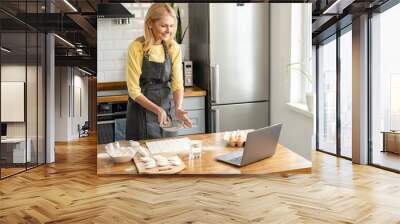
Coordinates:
<point>236,160</point>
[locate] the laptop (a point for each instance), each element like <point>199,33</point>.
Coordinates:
<point>260,144</point>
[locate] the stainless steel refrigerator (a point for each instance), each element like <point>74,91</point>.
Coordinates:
<point>229,50</point>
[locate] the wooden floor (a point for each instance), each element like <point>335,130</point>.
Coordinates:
<point>70,192</point>
<point>386,159</point>
<point>5,172</point>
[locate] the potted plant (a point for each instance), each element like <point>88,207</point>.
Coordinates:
<point>302,69</point>
<point>179,36</point>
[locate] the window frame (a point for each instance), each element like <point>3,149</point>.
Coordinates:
<point>380,9</point>
<point>334,37</point>
<point>44,72</point>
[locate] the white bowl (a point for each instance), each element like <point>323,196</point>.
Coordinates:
<point>172,126</point>
<point>121,159</point>
<point>122,154</point>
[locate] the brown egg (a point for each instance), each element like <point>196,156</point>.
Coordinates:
<point>232,141</point>
<point>239,138</point>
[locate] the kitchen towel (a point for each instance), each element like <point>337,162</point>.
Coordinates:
<point>120,126</point>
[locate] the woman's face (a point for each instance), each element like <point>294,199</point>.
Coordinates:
<point>162,29</point>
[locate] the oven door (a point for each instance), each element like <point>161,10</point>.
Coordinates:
<point>105,131</point>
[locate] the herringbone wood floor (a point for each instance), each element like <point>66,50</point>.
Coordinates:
<point>70,192</point>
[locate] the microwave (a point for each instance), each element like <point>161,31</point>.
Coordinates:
<point>187,73</point>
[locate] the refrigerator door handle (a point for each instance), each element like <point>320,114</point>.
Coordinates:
<point>215,84</point>
<point>212,120</point>
<point>215,122</point>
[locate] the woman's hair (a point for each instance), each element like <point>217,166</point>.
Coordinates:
<point>156,12</point>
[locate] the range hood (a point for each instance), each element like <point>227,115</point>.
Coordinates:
<point>113,10</point>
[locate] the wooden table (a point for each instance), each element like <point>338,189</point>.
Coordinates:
<point>284,161</point>
<point>391,141</point>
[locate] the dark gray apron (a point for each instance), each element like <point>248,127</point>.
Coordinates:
<point>155,83</point>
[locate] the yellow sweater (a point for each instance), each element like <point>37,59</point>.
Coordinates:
<point>156,54</point>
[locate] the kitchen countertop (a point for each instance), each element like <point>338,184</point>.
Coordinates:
<point>283,162</point>
<point>189,92</point>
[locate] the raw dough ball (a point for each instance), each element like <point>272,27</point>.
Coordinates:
<point>150,165</point>
<point>146,159</point>
<point>174,158</point>
<point>162,163</point>
<point>159,157</point>
<point>176,163</point>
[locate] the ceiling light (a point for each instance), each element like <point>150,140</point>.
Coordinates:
<point>70,5</point>
<point>331,7</point>
<point>337,7</point>
<point>84,71</point>
<point>5,50</point>
<point>65,41</point>
<point>80,51</point>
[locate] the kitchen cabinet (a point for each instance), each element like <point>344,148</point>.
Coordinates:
<point>195,106</point>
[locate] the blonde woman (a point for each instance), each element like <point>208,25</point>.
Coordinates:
<point>154,77</point>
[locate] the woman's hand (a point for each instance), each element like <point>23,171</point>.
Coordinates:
<point>181,115</point>
<point>162,116</point>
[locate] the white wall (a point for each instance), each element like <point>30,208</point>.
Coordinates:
<point>83,83</point>
<point>67,84</point>
<point>297,128</point>
<point>61,103</point>
<point>113,41</point>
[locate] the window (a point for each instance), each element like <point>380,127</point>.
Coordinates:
<point>334,106</point>
<point>327,96</point>
<point>346,93</point>
<point>299,68</point>
<point>385,85</point>
<point>394,102</point>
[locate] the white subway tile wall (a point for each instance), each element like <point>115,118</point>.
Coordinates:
<point>113,41</point>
